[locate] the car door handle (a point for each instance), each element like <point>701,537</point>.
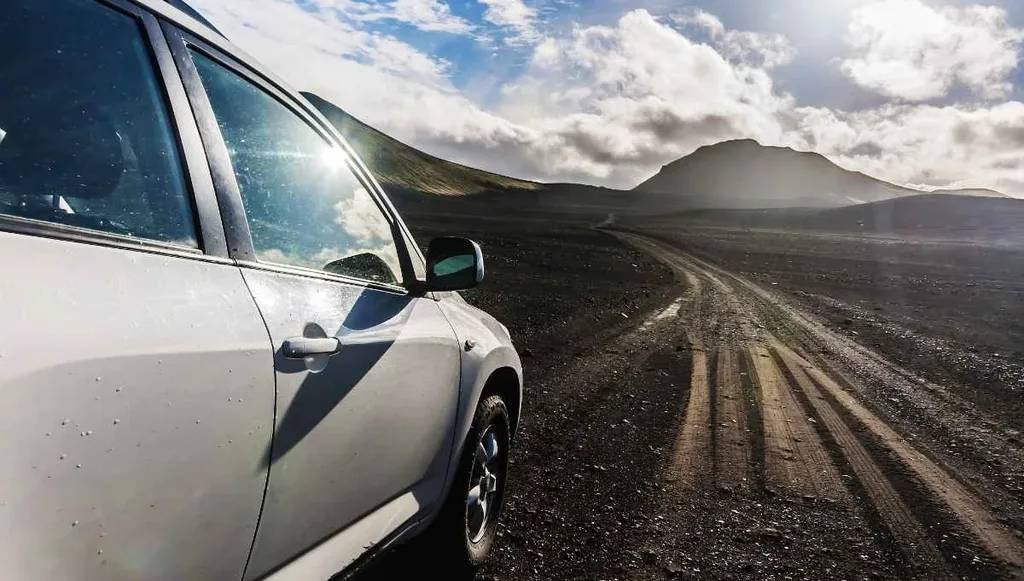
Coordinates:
<point>302,347</point>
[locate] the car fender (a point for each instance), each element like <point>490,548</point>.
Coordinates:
<point>486,347</point>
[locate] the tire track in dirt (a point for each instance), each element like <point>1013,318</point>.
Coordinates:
<point>795,460</point>
<point>897,517</point>
<point>973,515</point>
<point>732,438</point>
<point>691,455</point>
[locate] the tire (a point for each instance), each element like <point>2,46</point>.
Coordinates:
<point>458,542</point>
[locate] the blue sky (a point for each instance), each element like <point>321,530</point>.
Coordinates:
<point>920,92</point>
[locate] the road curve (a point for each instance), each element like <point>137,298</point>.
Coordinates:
<point>768,413</point>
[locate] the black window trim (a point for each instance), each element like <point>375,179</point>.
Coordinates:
<point>236,224</point>
<point>211,247</point>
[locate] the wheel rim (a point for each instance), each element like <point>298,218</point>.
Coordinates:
<point>484,485</point>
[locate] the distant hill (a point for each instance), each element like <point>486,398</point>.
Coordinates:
<point>745,174</point>
<point>931,215</point>
<point>944,214</point>
<point>397,165</point>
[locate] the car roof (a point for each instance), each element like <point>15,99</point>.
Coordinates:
<point>184,7</point>
<point>190,20</point>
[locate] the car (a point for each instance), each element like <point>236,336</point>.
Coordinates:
<point>222,353</point>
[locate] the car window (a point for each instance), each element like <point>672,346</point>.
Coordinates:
<point>304,204</point>
<point>86,138</point>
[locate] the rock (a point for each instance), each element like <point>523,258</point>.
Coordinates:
<point>673,570</point>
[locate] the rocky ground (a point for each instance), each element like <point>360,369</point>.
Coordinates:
<point>684,423</point>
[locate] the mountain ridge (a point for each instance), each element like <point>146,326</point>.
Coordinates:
<point>780,175</point>
<point>399,165</point>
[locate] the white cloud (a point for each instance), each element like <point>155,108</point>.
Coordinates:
<point>427,15</point>
<point>908,50</point>
<point>923,145</point>
<point>514,15</point>
<point>360,218</point>
<point>610,104</point>
<point>744,46</point>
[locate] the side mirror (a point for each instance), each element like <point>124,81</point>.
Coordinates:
<point>453,264</point>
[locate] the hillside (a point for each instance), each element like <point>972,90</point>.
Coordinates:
<point>746,174</point>
<point>943,214</point>
<point>932,215</point>
<point>397,165</point>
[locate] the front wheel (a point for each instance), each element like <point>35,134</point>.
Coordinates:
<point>461,537</point>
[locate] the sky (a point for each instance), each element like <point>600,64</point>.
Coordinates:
<point>924,93</point>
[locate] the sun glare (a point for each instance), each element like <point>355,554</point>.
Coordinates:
<point>332,159</point>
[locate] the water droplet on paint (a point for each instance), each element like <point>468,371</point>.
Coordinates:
<point>78,465</point>
<point>63,456</point>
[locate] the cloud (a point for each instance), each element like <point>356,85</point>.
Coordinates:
<point>609,104</point>
<point>923,145</point>
<point>360,218</point>
<point>515,16</point>
<point>743,46</point>
<point>908,50</point>
<point>426,15</point>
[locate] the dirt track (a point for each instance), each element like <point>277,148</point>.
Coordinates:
<point>771,369</point>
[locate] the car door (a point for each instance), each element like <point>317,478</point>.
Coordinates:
<point>134,366</point>
<point>367,373</point>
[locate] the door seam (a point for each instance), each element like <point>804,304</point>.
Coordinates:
<point>273,425</point>
<point>455,451</point>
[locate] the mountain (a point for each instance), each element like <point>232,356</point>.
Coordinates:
<point>400,166</point>
<point>745,174</point>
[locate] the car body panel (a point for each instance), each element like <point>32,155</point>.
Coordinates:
<point>348,546</point>
<point>491,350</point>
<point>138,398</point>
<point>375,423</point>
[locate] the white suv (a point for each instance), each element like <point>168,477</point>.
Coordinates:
<point>222,356</point>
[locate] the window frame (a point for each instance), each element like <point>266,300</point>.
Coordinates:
<point>196,183</point>
<point>236,224</point>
